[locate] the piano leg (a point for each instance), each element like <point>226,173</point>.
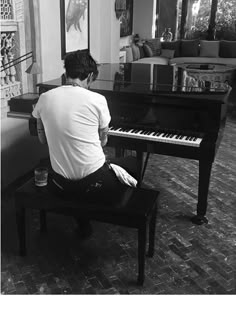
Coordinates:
<point>203,187</point>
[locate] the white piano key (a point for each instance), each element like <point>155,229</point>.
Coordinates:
<point>183,140</point>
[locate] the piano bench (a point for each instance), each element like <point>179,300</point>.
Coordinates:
<point>131,207</point>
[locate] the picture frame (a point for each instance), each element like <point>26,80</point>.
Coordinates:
<point>126,20</point>
<point>74,25</point>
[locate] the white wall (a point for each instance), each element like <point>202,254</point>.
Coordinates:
<point>143,18</point>
<point>104,35</point>
<point>50,29</point>
<point>104,31</point>
<point>126,41</point>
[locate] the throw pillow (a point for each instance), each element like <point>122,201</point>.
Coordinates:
<point>167,53</point>
<point>172,45</point>
<point>209,48</point>
<point>155,45</point>
<point>129,54</point>
<point>136,52</point>
<point>189,48</point>
<point>147,50</point>
<point>141,51</point>
<point>227,49</point>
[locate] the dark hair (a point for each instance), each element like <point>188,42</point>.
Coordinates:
<point>79,64</point>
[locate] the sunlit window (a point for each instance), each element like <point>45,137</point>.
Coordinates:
<point>196,19</point>
<point>226,19</point>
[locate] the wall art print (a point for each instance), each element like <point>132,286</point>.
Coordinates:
<point>74,25</point>
<point>126,20</point>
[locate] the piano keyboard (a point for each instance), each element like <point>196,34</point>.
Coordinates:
<point>155,136</point>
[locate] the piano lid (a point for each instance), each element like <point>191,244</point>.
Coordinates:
<point>153,79</point>
<point>188,80</point>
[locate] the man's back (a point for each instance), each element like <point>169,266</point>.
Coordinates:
<point>72,116</point>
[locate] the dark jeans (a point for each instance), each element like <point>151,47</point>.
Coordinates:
<point>101,184</point>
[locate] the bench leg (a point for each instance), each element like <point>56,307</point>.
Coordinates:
<point>141,253</point>
<point>43,221</point>
<point>20,222</point>
<point>152,228</point>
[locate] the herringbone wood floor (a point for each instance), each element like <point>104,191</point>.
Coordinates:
<point>188,259</point>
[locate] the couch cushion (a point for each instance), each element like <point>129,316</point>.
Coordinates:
<point>209,48</point>
<point>172,45</point>
<point>136,52</point>
<point>155,45</point>
<point>189,48</point>
<point>129,54</point>
<point>141,51</point>
<point>167,53</point>
<point>227,49</point>
<point>153,60</point>
<point>147,50</point>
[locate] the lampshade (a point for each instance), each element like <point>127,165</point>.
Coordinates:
<point>32,69</point>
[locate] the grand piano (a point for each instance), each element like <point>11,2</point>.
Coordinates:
<point>162,110</point>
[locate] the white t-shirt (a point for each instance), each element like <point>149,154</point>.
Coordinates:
<point>72,117</point>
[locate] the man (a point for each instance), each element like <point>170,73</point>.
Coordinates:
<point>74,121</point>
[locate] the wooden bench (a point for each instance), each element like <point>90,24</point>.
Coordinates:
<point>131,207</point>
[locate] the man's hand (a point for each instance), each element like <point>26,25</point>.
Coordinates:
<point>41,132</point>
<point>103,135</point>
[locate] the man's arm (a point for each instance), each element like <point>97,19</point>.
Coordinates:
<point>103,135</point>
<point>41,132</point>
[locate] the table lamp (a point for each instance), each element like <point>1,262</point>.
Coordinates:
<point>33,69</point>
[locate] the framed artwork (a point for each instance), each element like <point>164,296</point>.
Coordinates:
<point>126,20</point>
<point>74,25</point>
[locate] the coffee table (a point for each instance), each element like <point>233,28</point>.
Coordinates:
<point>212,76</point>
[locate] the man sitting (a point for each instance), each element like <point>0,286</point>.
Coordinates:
<point>74,121</point>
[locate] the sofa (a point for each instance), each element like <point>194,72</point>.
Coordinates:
<point>153,51</point>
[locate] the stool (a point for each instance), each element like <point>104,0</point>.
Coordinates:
<point>131,207</point>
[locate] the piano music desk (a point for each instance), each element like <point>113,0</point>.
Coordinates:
<point>131,207</point>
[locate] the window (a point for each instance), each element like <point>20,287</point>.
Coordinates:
<point>206,19</point>
<point>226,20</point>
